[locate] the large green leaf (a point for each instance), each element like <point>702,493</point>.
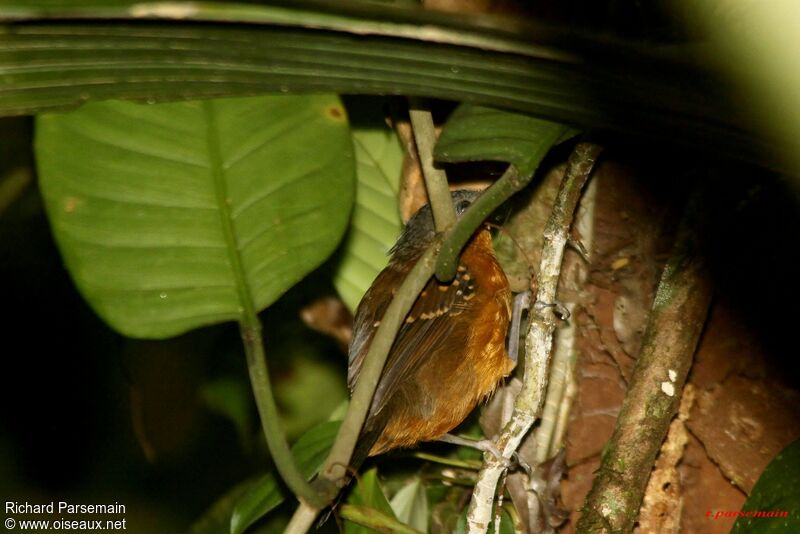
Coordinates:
<point>174,216</point>
<point>265,494</point>
<point>51,57</point>
<point>776,494</point>
<point>477,133</point>
<point>376,222</point>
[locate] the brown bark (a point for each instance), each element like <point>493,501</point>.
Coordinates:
<point>674,326</point>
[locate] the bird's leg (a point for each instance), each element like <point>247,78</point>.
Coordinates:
<point>483,445</point>
<point>522,302</point>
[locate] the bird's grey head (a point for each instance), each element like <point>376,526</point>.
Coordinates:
<point>420,229</point>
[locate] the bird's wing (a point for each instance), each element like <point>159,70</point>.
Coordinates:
<point>427,325</point>
<point>368,316</point>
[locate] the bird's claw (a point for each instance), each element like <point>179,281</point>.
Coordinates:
<point>489,446</point>
<point>559,309</point>
<point>577,246</point>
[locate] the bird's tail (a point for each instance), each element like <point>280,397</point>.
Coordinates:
<point>361,452</point>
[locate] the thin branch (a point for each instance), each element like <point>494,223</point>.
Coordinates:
<point>673,330</point>
<point>550,432</point>
<point>302,519</point>
<point>539,338</point>
<point>444,215</point>
<point>335,467</point>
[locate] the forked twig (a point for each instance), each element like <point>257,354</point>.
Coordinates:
<point>539,338</point>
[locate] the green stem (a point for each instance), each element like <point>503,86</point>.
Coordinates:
<point>335,465</point>
<point>490,200</point>
<point>250,326</point>
<point>444,215</point>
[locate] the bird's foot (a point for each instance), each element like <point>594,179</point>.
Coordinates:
<point>577,246</point>
<point>483,445</point>
<point>559,309</point>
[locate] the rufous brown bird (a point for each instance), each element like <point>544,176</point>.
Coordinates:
<point>450,352</point>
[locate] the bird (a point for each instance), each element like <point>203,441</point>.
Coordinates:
<point>450,351</point>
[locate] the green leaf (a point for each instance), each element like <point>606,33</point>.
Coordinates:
<point>78,51</point>
<point>376,223</point>
<point>476,133</point>
<point>218,517</point>
<point>307,391</point>
<point>368,493</point>
<point>175,216</point>
<point>371,520</point>
<point>265,494</point>
<point>776,493</point>
<point>410,505</point>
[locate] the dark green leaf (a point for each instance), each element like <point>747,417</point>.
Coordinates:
<point>475,133</point>
<point>776,494</point>
<point>78,51</point>
<point>368,493</point>
<point>233,400</point>
<point>370,520</point>
<point>308,393</point>
<point>217,518</point>
<point>265,494</point>
<point>175,216</point>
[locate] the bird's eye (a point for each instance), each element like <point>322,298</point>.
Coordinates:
<point>463,205</point>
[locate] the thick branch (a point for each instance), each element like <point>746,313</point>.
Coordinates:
<point>673,329</point>
<point>539,339</point>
